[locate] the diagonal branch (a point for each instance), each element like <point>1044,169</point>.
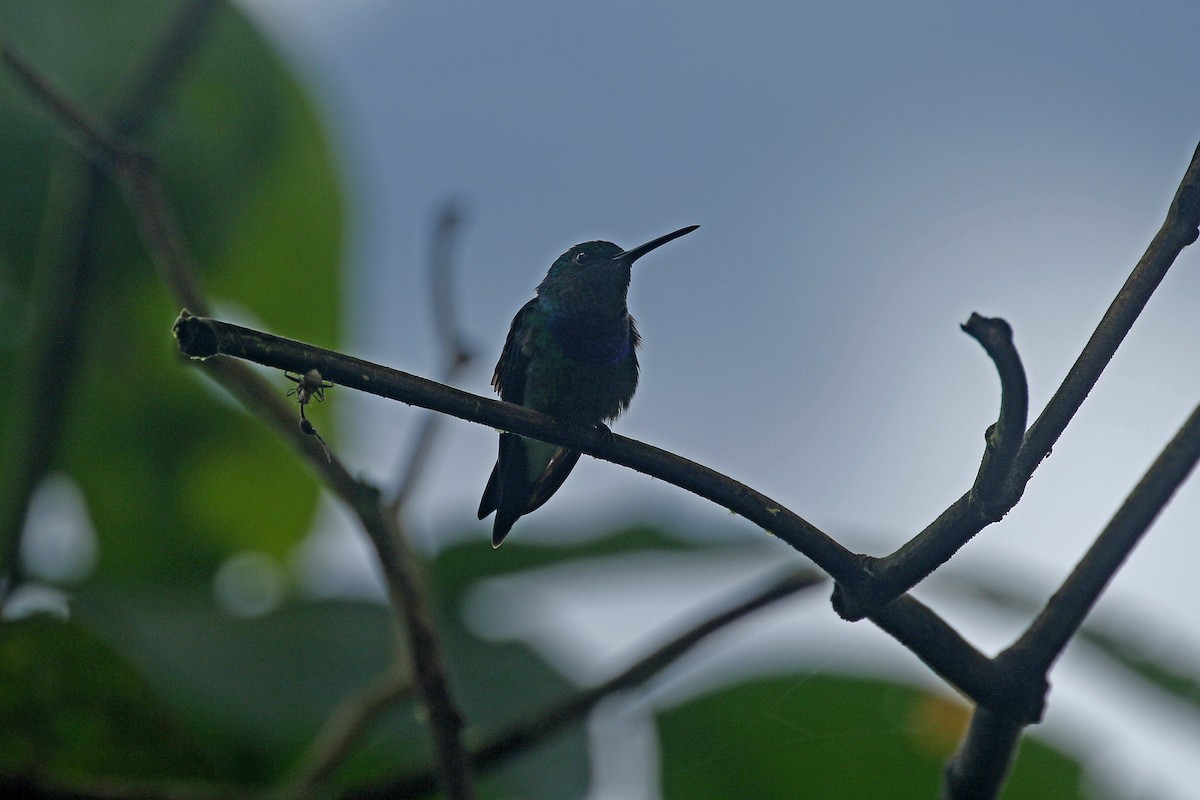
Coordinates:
<point>1059,621</point>
<point>1178,230</point>
<point>530,732</point>
<point>344,727</point>
<point>974,511</point>
<point>982,762</point>
<point>456,355</point>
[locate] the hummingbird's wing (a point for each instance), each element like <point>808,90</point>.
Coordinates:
<point>511,370</point>
<point>509,381</point>
<point>527,472</point>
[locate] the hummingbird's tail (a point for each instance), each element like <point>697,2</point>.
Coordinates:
<point>511,491</point>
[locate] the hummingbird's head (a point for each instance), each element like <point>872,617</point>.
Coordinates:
<point>599,265</point>
<point>587,257</point>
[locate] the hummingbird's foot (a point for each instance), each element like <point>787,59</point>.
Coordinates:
<point>607,431</point>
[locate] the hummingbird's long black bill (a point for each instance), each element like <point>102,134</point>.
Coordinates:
<point>638,252</point>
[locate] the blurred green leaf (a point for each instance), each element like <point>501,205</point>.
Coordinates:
<point>176,479</point>
<point>258,688</point>
<point>501,683</point>
<point>830,737</point>
<point>70,708</point>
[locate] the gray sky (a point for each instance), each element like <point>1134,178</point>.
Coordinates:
<point>865,175</point>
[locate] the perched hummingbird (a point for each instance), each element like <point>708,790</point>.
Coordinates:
<point>570,353</point>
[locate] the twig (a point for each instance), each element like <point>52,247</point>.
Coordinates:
<point>155,79</point>
<point>521,737</point>
<point>1177,232</point>
<point>60,291</point>
<point>455,353</point>
<point>155,220</point>
<point>971,513</point>
<point>157,224</point>
<point>1004,437</point>
<point>343,728</point>
<point>202,338</point>
<point>348,724</point>
<point>982,761</point>
<point>1064,613</point>
<point>98,138</point>
<point>914,625</point>
<point>988,499</point>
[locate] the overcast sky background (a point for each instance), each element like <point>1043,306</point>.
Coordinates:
<point>865,177</point>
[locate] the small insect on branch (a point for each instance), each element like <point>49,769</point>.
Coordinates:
<point>309,386</point>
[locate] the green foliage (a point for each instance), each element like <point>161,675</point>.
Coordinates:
<point>175,481</point>
<point>73,710</point>
<point>830,737</point>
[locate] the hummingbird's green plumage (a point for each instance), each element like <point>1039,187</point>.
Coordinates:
<point>571,353</point>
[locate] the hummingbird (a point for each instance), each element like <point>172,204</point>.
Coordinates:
<point>571,353</point>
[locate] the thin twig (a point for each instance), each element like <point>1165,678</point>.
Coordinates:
<point>456,355</point>
<point>1178,230</point>
<point>900,571</point>
<point>982,762</point>
<point>988,499</point>
<point>523,736</point>
<point>1003,439</point>
<point>50,365</point>
<point>170,56</point>
<point>98,138</point>
<point>1059,621</point>
<point>343,728</point>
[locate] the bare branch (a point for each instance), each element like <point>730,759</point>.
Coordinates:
<point>980,767</point>
<point>345,726</point>
<point>914,625</point>
<point>62,285</point>
<point>166,61</point>
<point>98,138</point>
<point>1177,232</point>
<point>989,747</point>
<point>203,338</point>
<point>455,353</point>
<point>973,511</point>
<point>1059,621</point>
<point>1003,439</point>
<point>988,499</point>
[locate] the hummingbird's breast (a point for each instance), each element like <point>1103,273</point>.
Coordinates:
<point>585,368</point>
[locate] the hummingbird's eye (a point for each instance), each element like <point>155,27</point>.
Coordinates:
<point>580,258</point>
